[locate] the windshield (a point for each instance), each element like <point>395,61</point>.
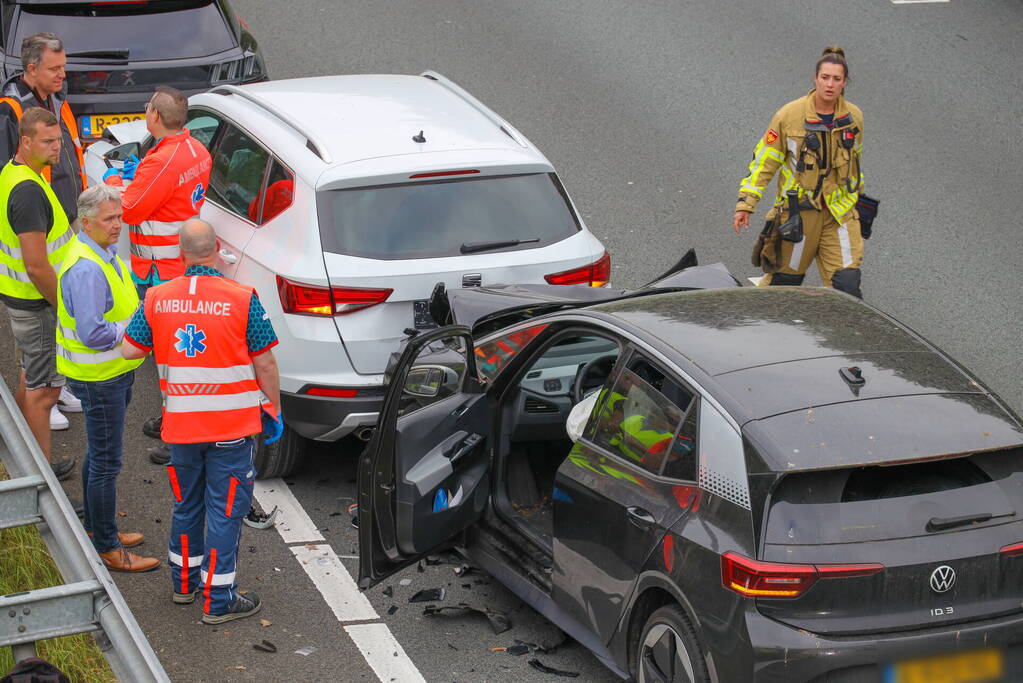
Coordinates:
<point>432,219</point>
<point>157,30</point>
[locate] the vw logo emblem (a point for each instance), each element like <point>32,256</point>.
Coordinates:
<point>942,578</point>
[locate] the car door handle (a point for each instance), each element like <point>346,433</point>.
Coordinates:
<point>464,447</point>
<point>228,256</point>
<point>640,517</point>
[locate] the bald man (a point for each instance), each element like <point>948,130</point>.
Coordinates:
<point>211,339</point>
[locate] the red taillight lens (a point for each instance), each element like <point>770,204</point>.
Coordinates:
<point>596,274</point>
<point>332,392</point>
<point>755,579</point>
<point>1012,550</point>
<point>443,174</point>
<point>305,299</point>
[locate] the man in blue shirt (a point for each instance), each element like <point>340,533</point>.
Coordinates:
<point>95,299</point>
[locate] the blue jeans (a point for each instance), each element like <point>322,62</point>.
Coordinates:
<point>104,404</point>
<point>212,488</point>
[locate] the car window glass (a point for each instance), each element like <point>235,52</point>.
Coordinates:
<point>494,355</point>
<point>437,373</point>
<point>680,462</point>
<point>278,195</point>
<point>202,126</point>
<point>238,168</point>
<point>636,422</point>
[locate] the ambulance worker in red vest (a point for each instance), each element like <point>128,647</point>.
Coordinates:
<point>211,339</point>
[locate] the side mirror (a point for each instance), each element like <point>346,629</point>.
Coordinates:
<point>426,381</point>
<point>122,152</point>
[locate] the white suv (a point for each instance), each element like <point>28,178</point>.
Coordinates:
<point>344,200</point>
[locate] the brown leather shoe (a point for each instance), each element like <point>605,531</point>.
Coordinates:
<point>121,560</point>
<point>128,539</point>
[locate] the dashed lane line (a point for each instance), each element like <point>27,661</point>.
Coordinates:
<point>378,646</point>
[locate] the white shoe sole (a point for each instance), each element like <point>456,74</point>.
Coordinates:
<point>69,409</point>
<point>61,426</point>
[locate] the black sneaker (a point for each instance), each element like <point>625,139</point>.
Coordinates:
<point>151,427</point>
<point>62,468</point>
<point>243,606</point>
<point>159,455</point>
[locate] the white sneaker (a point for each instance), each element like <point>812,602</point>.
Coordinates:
<point>68,402</point>
<point>57,420</point>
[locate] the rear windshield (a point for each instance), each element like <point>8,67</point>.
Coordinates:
<point>900,501</point>
<point>153,30</point>
<point>432,219</point>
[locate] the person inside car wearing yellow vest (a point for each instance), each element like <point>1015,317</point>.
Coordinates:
<point>814,144</point>
<point>95,299</point>
<point>34,237</point>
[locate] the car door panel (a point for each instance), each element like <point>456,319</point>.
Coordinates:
<point>425,474</point>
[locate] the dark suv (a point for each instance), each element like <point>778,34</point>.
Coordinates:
<point>119,50</point>
<point>772,484</point>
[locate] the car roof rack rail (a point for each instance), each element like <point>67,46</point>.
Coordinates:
<point>313,142</point>
<point>90,600</point>
<point>505,127</point>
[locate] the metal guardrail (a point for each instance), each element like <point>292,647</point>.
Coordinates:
<point>90,601</point>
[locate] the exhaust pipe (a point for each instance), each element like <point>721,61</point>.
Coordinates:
<point>364,433</point>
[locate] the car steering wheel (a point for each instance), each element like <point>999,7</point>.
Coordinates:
<point>595,368</point>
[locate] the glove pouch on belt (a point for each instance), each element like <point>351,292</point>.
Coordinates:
<point>866,209</point>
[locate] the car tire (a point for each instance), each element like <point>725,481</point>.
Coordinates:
<point>280,458</point>
<point>668,650</point>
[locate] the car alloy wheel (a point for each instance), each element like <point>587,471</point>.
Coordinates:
<point>667,650</point>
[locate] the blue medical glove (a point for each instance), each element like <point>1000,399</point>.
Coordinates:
<point>273,427</point>
<point>110,172</point>
<point>129,166</point>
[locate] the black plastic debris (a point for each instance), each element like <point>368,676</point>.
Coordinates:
<point>265,646</point>
<point>388,591</point>
<point>428,595</point>
<point>452,647</point>
<point>252,548</point>
<point>467,586</point>
<point>419,568</point>
<point>391,610</point>
<point>334,514</point>
<point>499,621</point>
<point>540,666</point>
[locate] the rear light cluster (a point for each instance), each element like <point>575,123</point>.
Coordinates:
<point>304,299</point>
<point>245,69</point>
<point>755,579</point>
<point>596,274</point>
<point>1012,550</point>
<point>332,392</point>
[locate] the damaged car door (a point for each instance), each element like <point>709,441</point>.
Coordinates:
<point>425,474</point>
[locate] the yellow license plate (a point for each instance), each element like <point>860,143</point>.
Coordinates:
<point>94,125</point>
<point>982,666</point>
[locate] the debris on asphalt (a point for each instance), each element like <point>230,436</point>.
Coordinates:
<point>432,560</point>
<point>265,622</point>
<point>419,568</point>
<point>158,520</point>
<point>428,595</point>
<point>353,512</point>
<point>405,582</point>
<point>453,647</point>
<point>122,513</point>
<point>265,646</point>
<point>461,570</point>
<point>499,621</point>
<point>260,521</point>
<point>252,548</point>
<point>540,666</point>
<point>467,586</point>
<point>391,610</point>
<point>335,514</point>
<point>305,651</point>
<point>388,591</point>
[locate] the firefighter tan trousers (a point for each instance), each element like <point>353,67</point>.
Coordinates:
<point>836,247</point>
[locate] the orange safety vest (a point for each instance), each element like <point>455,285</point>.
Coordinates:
<point>207,378</point>
<point>69,122</point>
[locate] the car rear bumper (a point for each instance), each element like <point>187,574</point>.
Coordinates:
<point>327,418</point>
<point>782,653</point>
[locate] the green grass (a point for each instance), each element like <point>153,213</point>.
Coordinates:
<point>25,564</point>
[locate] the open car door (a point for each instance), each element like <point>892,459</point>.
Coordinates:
<point>425,473</point>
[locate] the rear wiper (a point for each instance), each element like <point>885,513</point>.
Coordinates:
<point>470,247</point>
<point>942,523</point>
<point>112,55</point>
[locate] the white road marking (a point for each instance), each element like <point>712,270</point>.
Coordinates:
<point>916,2</point>
<point>384,654</point>
<point>334,582</point>
<point>292,523</point>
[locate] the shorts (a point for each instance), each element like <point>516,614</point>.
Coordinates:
<point>35,334</point>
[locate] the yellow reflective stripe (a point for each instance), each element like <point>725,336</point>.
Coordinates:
<point>761,154</point>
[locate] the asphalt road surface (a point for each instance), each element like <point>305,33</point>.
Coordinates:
<point>650,111</point>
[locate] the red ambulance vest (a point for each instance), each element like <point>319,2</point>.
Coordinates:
<point>206,375</point>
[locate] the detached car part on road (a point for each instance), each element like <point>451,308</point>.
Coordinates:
<point>774,484</point>
<point>343,200</point>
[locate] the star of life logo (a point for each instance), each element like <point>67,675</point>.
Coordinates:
<point>198,194</point>
<point>190,341</point>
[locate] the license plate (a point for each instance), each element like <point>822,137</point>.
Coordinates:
<point>421,317</point>
<point>981,666</point>
<point>94,125</point>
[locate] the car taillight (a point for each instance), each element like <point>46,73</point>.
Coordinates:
<point>596,274</point>
<point>303,299</point>
<point>332,392</point>
<point>1012,550</point>
<point>245,69</point>
<point>755,579</point>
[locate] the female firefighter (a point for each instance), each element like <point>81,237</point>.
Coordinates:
<point>814,144</point>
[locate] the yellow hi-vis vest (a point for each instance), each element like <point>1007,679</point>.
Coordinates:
<point>74,358</point>
<point>14,281</point>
